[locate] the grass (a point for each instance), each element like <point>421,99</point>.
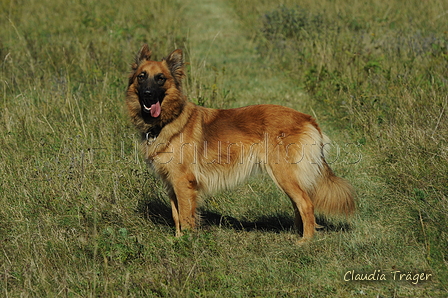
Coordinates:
<point>82,216</point>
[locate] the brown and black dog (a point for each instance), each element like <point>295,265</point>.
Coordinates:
<point>197,150</point>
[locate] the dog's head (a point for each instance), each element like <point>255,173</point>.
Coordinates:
<point>155,86</point>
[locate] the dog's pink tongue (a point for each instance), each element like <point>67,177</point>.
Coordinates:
<point>155,110</point>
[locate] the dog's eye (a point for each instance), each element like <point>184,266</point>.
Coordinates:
<point>160,79</point>
<point>141,76</point>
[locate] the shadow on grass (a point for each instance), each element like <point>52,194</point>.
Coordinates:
<point>159,212</point>
<point>275,223</point>
<point>156,210</point>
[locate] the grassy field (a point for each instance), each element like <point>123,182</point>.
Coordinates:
<point>82,216</point>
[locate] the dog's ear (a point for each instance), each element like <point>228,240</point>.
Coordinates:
<point>143,55</point>
<point>175,64</point>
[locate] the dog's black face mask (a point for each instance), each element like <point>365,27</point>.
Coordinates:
<point>151,93</point>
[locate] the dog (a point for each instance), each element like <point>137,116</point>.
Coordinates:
<point>197,150</point>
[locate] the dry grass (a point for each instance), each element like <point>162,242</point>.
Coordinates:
<point>82,216</point>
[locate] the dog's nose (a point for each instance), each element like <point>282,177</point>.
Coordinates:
<point>148,93</point>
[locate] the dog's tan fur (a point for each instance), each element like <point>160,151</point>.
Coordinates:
<point>200,150</point>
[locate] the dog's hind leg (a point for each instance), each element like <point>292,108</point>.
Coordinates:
<point>302,204</point>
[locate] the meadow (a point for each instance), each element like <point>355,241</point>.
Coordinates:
<point>82,215</point>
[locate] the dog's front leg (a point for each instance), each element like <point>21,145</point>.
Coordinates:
<point>183,202</point>
<point>175,210</point>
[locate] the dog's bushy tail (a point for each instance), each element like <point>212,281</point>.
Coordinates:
<point>332,195</point>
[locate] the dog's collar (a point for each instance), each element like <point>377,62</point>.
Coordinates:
<point>151,134</point>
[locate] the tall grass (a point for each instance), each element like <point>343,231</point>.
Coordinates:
<point>82,216</point>
<point>380,71</point>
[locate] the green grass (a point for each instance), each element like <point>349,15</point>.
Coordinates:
<point>82,216</point>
